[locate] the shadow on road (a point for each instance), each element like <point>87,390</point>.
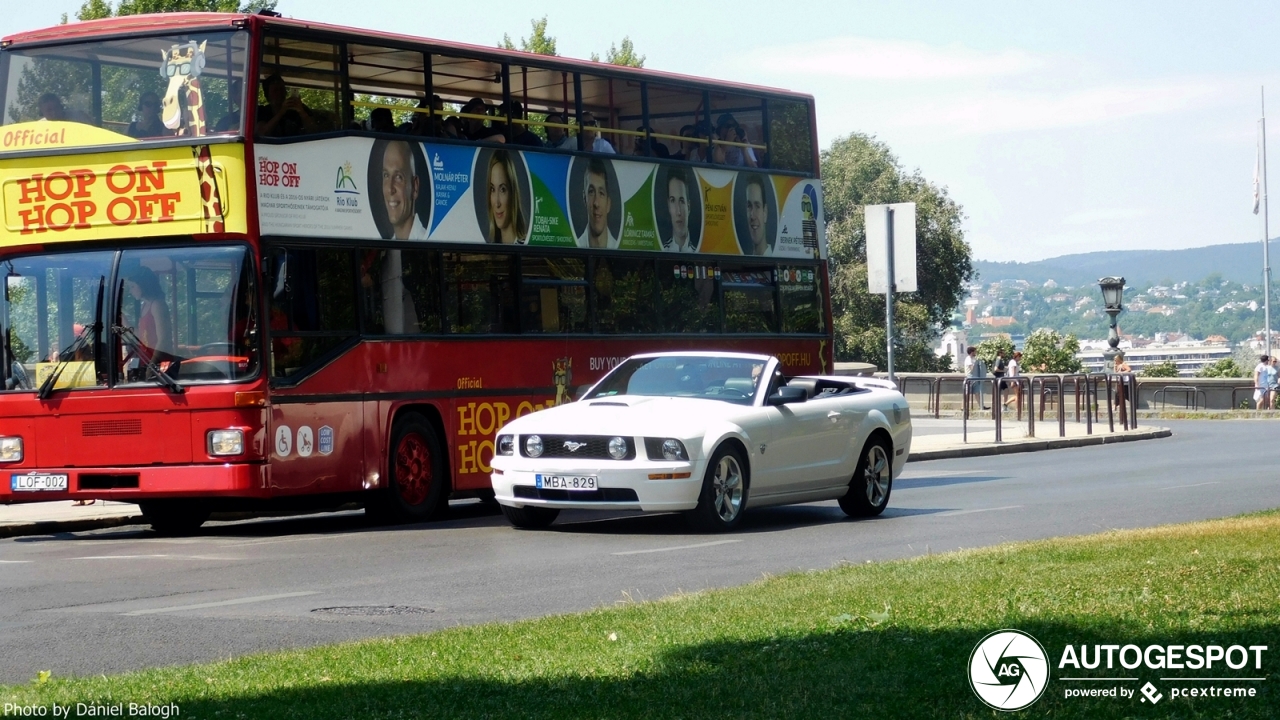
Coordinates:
<point>942,481</point>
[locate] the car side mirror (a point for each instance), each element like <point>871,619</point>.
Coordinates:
<point>787,395</point>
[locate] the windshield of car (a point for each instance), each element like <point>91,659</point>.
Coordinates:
<point>101,317</point>
<point>729,379</point>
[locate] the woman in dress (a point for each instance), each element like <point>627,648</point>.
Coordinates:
<point>154,327</point>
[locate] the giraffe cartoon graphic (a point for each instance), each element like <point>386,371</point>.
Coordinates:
<point>562,374</point>
<point>183,110</point>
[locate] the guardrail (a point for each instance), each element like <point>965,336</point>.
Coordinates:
<point>997,403</point>
<point>1235,403</point>
<point>1191,396</point>
<point>934,401</point>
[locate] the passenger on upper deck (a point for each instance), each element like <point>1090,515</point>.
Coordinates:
<point>698,148</point>
<point>591,139</point>
<point>557,138</point>
<point>428,125</point>
<point>380,120</point>
<point>683,151</point>
<point>521,134</point>
<point>474,128</point>
<point>231,121</point>
<point>146,122</point>
<point>656,148</point>
<point>51,108</point>
<point>727,154</point>
<point>284,115</point>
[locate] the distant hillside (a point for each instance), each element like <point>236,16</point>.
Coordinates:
<point>1240,263</point>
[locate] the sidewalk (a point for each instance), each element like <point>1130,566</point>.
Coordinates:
<point>933,440</point>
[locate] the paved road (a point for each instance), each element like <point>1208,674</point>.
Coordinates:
<point>114,600</point>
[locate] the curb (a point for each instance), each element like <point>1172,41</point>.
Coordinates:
<point>1036,445</point>
<point>49,527</point>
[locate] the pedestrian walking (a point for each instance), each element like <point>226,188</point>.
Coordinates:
<point>1261,387</point>
<point>975,368</point>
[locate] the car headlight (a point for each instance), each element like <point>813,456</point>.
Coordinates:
<point>533,446</point>
<point>10,449</point>
<point>506,445</point>
<point>618,448</point>
<point>669,449</point>
<point>225,442</point>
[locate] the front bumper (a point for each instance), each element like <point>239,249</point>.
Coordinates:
<point>652,495</point>
<point>131,484</point>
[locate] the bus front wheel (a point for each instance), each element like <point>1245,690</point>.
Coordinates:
<point>174,517</point>
<point>415,473</point>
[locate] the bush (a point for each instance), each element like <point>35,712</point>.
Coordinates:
<point>1224,368</point>
<point>1166,369</point>
<point>1049,351</point>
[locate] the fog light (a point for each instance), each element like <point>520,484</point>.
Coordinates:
<point>225,442</point>
<point>617,448</point>
<point>10,449</point>
<point>533,446</point>
<point>506,445</point>
<point>673,449</point>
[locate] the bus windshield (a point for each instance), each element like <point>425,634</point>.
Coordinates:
<point>102,318</point>
<point>137,89</point>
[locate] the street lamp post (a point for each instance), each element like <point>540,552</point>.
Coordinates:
<point>1112,297</point>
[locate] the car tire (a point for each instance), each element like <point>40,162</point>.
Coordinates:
<point>872,482</point>
<point>174,517</point>
<point>530,518</point>
<point>415,474</point>
<point>724,492</point>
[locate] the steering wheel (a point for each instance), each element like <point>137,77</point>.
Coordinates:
<point>726,390</point>
<point>19,376</point>
<point>217,348</point>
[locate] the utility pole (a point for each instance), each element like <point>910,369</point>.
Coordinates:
<point>1266,231</point>
<point>888,297</point>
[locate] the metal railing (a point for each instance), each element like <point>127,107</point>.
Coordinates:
<point>1191,396</point>
<point>1235,391</point>
<point>998,386</point>
<point>934,399</point>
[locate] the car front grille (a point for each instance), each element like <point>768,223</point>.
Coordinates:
<point>530,492</point>
<point>593,447</point>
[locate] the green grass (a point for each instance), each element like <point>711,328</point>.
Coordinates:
<point>877,640</point>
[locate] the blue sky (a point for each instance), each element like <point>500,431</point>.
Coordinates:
<point>1060,128</point>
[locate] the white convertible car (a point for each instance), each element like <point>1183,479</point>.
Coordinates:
<point>709,433</point>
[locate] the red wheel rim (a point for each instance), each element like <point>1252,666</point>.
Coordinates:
<point>413,469</point>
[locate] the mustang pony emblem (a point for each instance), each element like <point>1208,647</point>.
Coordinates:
<point>574,446</point>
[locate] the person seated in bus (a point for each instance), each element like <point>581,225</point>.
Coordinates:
<point>591,139</point>
<point>507,221</point>
<point>146,121</point>
<point>656,149</point>
<point>727,154</point>
<point>520,134</point>
<point>595,195</point>
<point>748,153</point>
<point>698,148</point>
<point>284,115</point>
<point>380,121</point>
<point>474,127</point>
<point>428,124</point>
<point>452,128</point>
<point>51,108</point>
<point>686,131</point>
<point>231,121</point>
<point>557,137</point>
<point>153,326</point>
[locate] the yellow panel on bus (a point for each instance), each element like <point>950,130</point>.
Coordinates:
<point>137,193</point>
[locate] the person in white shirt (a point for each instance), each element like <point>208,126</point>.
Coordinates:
<point>595,195</point>
<point>591,139</point>
<point>1260,384</point>
<point>557,138</point>
<point>1013,370</point>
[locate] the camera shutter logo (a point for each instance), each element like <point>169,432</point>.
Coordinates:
<point>1009,670</point>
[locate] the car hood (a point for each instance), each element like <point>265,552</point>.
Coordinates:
<point>631,415</point>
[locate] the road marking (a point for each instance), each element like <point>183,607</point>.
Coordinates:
<point>976,510</point>
<point>1175,487</point>
<point>13,562</point>
<point>221,603</point>
<point>678,547</point>
<point>153,557</point>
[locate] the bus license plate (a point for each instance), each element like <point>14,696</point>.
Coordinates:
<point>567,482</point>
<point>37,482</point>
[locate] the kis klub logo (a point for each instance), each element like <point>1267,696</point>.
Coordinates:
<point>1009,670</point>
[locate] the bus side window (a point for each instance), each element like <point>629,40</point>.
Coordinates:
<point>312,306</point>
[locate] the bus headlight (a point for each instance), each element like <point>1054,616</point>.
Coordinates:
<point>10,449</point>
<point>225,442</point>
<point>533,446</point>
<point>506,445</point>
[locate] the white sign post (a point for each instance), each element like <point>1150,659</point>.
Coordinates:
<point>891,258</point>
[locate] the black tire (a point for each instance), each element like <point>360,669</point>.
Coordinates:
<point>416,482</point>
<point>530,518</point>
<point>872,481</point>
<point>724,492</point>
<point>174,517</point>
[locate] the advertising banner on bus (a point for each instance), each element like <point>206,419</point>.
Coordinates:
<point>362,188</point>
<point>142,193</point>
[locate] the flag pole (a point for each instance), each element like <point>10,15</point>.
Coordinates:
<point>1266,232</point>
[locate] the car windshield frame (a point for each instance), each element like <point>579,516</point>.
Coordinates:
<point>734,379</point>
<point>98,88</point>
<point>172,316</point>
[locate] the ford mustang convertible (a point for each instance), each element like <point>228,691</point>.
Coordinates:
<point>709,434</point>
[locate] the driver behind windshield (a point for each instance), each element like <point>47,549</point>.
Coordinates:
<point>153,325</point>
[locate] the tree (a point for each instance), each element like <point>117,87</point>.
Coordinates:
<point>1224,368</point>
<point>539,42</point>
<point>626,55</point>
<point>1048,351</point>
<point>96,9</point>
<point>1163,369</point>
<point>859,170</point>
<point>988,348</point>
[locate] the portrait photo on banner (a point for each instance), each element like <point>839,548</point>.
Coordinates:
<point>595,202</point>
<point>755,213</point>
<point>399,183</point>
<point>503,196</point>
<point>677,209</point>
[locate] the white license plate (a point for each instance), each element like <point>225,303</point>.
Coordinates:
<point>37,482</point>
<point>567,482</point>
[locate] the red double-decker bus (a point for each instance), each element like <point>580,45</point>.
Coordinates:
<point>258,263</point>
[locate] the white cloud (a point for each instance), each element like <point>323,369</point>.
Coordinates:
<point>863,58</point>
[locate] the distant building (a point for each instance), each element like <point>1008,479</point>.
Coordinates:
<point>955,343</point>
<point>1189,355</point>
